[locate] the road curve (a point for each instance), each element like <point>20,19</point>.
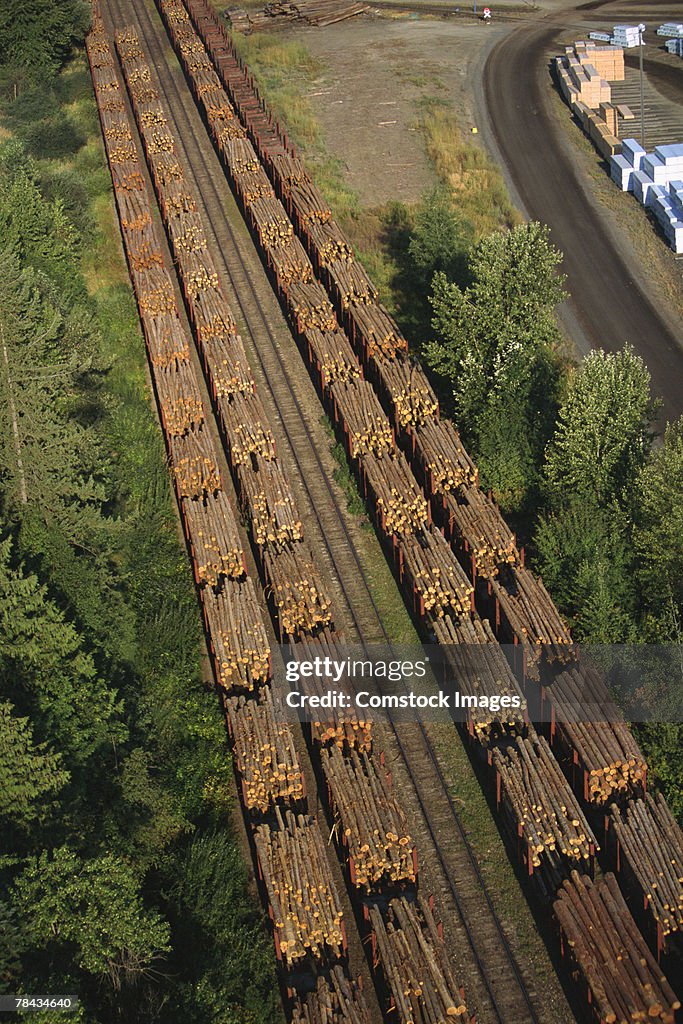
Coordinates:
<point>607,300</point>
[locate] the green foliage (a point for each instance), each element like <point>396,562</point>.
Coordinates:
<point>37,35</point>
<point>662,744</point>
<point>494,348</point>
<point>658,533</point>
<point>94,904</point>
<point>29,771</point>
<point>602,437</point>
<point>440,239</point>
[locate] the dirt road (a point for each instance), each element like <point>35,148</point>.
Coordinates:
<point>608,301</point>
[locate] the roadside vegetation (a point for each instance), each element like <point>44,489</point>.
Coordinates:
<point>121,877</point>
<point>566,449</point>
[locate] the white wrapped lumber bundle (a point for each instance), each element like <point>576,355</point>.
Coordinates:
<point>271,222</point>
<point>180,401</point>
<point>335,1000</point>
<point>378,332</point>
<point>592,729</point>
<point>442,456</point>
<point>306,912</point>
<point>369,821</point>
<point>241,156</point>
<point>342,726</point>
<point>194,465</point>
<point>401,505</point>
<point>237,635</point>
<point>268,503</point>
<point>532,616</point>
<point>413,959</point>
<point>291,264</point>
<point>254,185</point>
<point>435,574</point>
<point>226,362</point>
<point>310,204</point>
<point>329,242</point>
<point>311,308</point>
<point>476,664</point>
<point>292,580</point>
<point>166,340</point>
<point>625,981</point>
<point>212,531</point>
<point>542,807</point>
<point>367,429</point>
<point>264,753</point>
<point>411,395</point>
<point>334,355</point>
<point>651,851</point>
<point>247,430</point>
<point>351,284</point>
<point>477,521</point>
<point>154,291</point>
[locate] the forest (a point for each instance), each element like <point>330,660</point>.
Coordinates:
<point>122,878</point>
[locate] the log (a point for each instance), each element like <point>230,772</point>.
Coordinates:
<point>237,635</point>
<point>367,429</point>
<point>212,531</point>
<point>328,242</point>
<point>350,283</point>
<point>310,307</point>
<point>268,503</point>
<point>180,400</point>
<point>477,523</point>
<point>434,573</point>
<point>442,458</point>
<point>195,469</point>
<point>334,356</point>
<point>380,336</point>
<point>335,1000</point>
<point>246,429</point>
<point>264,754</point>
<point>409,393</point>
<point>293,583</point>
<point>305,908</point>
<point>401,506</point>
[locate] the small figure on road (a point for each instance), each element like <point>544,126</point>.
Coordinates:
<point>487,15</point>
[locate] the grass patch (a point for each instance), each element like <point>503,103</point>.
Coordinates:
<point>477,183</point>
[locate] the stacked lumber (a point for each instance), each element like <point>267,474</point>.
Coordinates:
<point>414,963</point>
<point>269,503</point>
<point>237,635</point>
<point>335,1000</point>
<point>476,521</point>
<point>195,469</point>
<point>246,430</point>
<point>292,581</point>
<point>213,534</point>
<point>271,221</point>
<point>310,307</point>
<point>334,356</point>
<point>651,849</point>
<point>379,333</point>
<point>624,979</point>
<point>291,264</point>
<point>367,429</point>
<point>475,662</point>
<point>329,242</point>
<point>401,506</point>
<point>435,574</point>
<point>307,916</point>
<point>409,392</point>
<point>594,732</point>
<point>441,456</point>
<point>342,727</point>
<point>369,820</point>
<point>180,401</point>
<point>542,806</point>
<point>166,341</point>
<point>264,753</point>
<point>313,12</point>
<point>351,284</point>
<point>309,202</point>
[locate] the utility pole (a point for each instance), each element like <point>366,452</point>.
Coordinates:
<point>641,29</point>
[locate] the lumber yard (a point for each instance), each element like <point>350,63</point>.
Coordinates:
<point>462,572</point>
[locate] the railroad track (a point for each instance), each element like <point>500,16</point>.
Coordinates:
<point>500,992</point>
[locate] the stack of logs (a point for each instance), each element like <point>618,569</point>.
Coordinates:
<point>543,809</point>
<point>402,507</point>
<point>415,964</point>
<point>532,618</point>
<point>369,821</point>
<point>342,727</point>
<point>409,393</point>
<point>237,635</point>
<point>624,979</point>
<point>381,336</point>
<point>329,242</point>
<point>214,537</point>
<point>335,1000</point>
<point>475,664</point>
<point>292,581</point>
<point>592,730</point>
<point>307,915</point>
<point>269,503</point>
<point>651,851</point>
<point>367,429</point>
<point>441,457</point>
<point>264,753</point>
<point>477,523</point>
<point>334,357</point>
<point>435,574</point>
<point>350,284</point>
